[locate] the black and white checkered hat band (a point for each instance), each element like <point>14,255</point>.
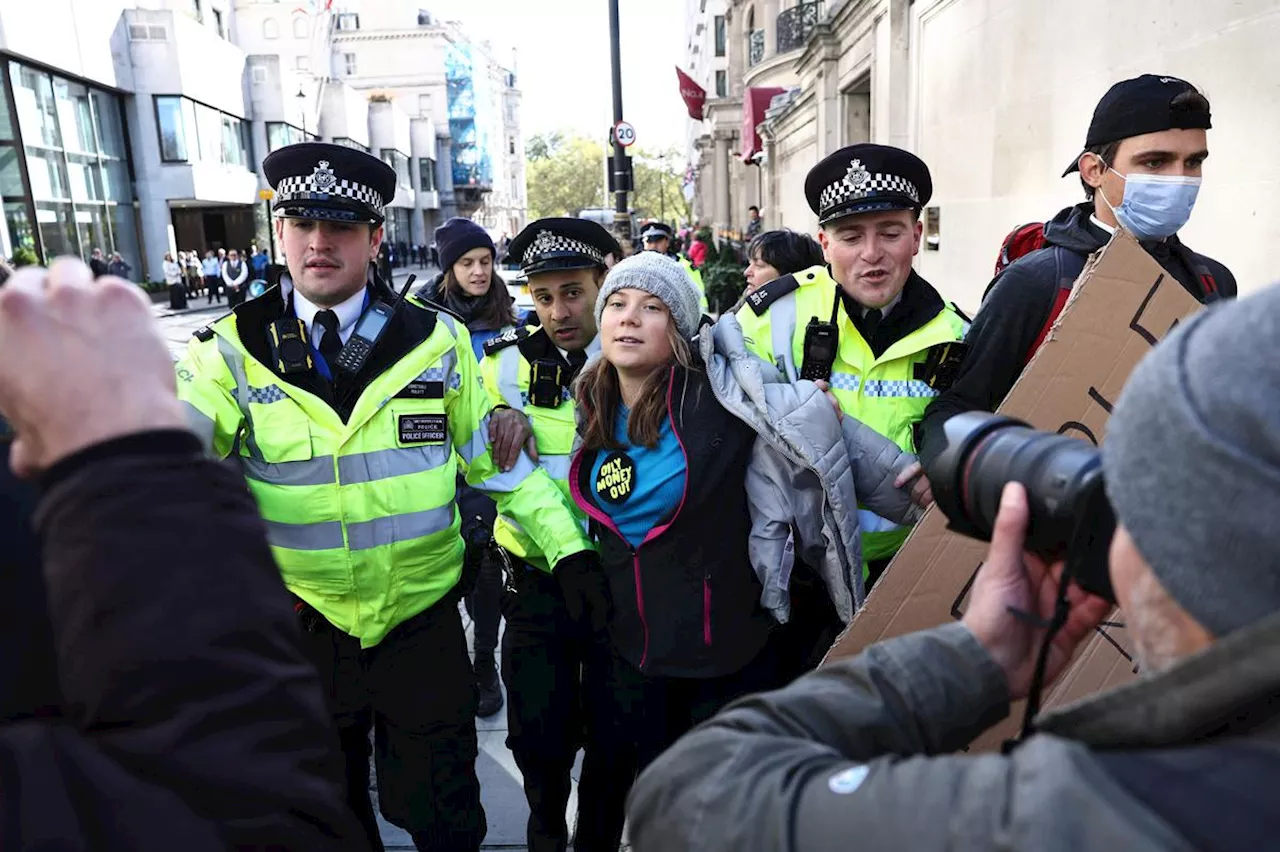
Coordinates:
<point>547,243</point>
<point>302,188</point>
<point>842,192</point>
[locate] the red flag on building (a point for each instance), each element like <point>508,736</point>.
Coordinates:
<point>694,95</point>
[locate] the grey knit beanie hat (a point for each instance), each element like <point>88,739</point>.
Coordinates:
<point>662,277</point>
<point>1192,462</point>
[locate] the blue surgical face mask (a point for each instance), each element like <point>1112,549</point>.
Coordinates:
<point>1154,206</point>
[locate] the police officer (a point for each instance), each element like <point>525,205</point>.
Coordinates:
<point>657,237</point>
<point>880,335</point>
<point>351,455</point>
<point>530,370</point>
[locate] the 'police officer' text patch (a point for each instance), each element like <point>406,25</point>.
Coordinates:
<point>423,428</point>
<point>616,479</point>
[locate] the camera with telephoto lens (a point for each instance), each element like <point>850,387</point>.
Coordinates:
<point>1070,514</point>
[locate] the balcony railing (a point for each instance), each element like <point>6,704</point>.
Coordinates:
<point>796,24</point>
<point>756,43</point>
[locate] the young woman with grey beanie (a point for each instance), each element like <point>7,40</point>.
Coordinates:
<point>662,474</point>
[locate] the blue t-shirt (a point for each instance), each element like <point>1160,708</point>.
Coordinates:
<point>637,487</point>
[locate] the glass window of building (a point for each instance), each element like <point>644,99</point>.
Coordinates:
<point>427,174</point>
<point>301,29</point>
<point>349,64</point>
<point>350,143</point>
<point>217,23</point>
<point>399,162</point>
<point>721,35</point>
<point>348,21</point>
<point>280,134</point>
<point>172,126</point>
<point>302,63</point>
<point>68,189</point>
<point>722,84</point>
<point>424,106</point>
<point>270,28</point>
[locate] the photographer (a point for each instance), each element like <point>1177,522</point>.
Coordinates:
<point>189,715</point>
<point>1185,758</point>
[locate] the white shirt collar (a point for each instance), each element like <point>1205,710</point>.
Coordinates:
<point>884,312</point>
<point>348,312</point>
<point>1093,217</point>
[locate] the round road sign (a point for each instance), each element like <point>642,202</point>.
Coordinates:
<point>625,134</point>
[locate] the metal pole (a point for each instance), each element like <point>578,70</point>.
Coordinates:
<point>621,220</point>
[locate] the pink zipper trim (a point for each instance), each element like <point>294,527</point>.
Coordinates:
<point>706,611</point>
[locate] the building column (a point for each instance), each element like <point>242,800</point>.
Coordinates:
<point>444,165</point>
<point>899,107</point>
<point>767,20</point>
<point>721,164</point>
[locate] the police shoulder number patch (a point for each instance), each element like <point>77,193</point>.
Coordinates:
<point>761,299</point>
<point>510,337</point>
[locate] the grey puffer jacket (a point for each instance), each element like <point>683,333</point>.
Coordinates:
<point>808,473</point>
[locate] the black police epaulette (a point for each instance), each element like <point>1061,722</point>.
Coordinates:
<point>761,299</point>
<point>960,313</point>
<point>510,337</point>
<point>204,334</point>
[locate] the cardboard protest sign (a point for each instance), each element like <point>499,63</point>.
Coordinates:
<point>1122,305</point>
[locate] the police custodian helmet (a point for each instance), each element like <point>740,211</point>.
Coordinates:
<point>555,243</point>
<point>867,179</point>
<point>316,180</point>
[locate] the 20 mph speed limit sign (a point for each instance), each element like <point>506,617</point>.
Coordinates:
<point>624,134</point>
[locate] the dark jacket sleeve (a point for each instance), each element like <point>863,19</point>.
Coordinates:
<point>180,662</point>
<point>1002,333</point>
<point>758,775</point>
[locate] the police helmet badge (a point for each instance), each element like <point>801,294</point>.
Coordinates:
<point>322,178</point>
<point>857,175</point>
<point>542,244</point>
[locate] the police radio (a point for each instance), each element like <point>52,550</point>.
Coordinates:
<point>821,342</point>
<point>289,350</point>
<point>368,331</point>
<point>547,381</point>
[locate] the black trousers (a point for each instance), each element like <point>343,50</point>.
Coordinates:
<point>484,605</point>
<point>543,660</point>
<point>213,284</point>
<point>635,717</point>
<point>801,643</point>
<point>416,693</point>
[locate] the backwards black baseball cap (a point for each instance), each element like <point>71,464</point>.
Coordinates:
<point>1142,105</point>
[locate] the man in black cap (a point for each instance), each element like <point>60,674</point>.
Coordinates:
<point>657,236</point>
<point>1141,170</point>
<point>866,324</point>
<point>350,414</point>
<point>543,649</point>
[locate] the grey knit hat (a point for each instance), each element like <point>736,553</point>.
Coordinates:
<point>661,276</point>
<point>1192,462</point>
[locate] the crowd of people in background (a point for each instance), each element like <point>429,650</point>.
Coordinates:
<point>227,271</point>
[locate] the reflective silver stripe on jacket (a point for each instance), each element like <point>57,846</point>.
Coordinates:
<point>509,377</point>
<point>478,444</point>
<point>782,324</point>
<point>202,424</point>
<point>393,528</point>
<point>322,536</point>
<point>384,464</point>
<point>511,479</point>
<point>235,363</point>
<point>317,471</point>
<point>870,522</point>
<point>557,467</point>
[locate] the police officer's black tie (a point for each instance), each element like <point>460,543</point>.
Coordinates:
<point>576,360</point>
<point>870,325</point>
<point>330,342</point>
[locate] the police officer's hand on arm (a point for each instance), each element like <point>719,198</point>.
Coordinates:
<point>80,363</point>
<point>509,433</point>
<point>853,747</point>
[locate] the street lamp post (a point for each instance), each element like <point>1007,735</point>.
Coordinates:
<point>302,108</point>
<point>621,221</point>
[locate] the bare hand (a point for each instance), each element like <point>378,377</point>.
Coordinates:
<point>921,490</point>
<point>510,432</point>
<point>835,403</point>
<point>81,362</point>
<point>1013,580</point>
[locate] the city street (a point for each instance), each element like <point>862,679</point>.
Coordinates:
<point>500,781</point>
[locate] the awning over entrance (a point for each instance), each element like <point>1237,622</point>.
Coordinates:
<point>753,108</point>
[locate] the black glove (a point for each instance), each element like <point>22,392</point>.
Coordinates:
<point>585,590</point>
